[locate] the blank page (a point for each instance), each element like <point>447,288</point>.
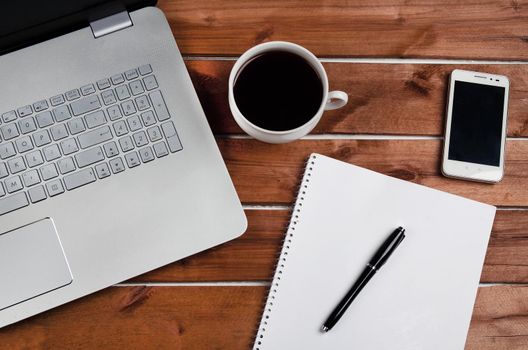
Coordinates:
<point>422,298</point>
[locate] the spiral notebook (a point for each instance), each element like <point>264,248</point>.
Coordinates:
<point>423,296</point>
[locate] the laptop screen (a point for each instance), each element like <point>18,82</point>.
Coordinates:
<point>24,23</point>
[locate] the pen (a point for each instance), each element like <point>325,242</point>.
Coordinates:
<point>377,261</point>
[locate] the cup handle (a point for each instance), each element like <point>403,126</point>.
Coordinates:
<point>336,99</point>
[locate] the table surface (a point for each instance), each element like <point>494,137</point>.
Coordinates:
<point>393,58</point>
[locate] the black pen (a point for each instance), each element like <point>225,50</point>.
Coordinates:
<point>381,256</point>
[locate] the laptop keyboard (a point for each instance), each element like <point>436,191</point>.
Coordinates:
<point>82,136</point>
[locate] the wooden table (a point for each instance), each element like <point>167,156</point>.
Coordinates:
<point>392,124</point>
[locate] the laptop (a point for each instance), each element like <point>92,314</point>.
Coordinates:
<point>108,168</point>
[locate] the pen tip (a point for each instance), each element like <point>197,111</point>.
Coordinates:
<point>325,328</point>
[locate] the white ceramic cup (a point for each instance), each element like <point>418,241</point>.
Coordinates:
<point>330,100</point>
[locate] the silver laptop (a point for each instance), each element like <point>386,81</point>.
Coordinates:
<point>108,168</point>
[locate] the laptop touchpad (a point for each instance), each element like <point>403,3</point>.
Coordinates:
<point>32,263</point>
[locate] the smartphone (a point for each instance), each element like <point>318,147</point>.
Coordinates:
<point>475,136</point>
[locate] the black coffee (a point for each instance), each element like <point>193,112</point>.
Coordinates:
<point>278,91</point>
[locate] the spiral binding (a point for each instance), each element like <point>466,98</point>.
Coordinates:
<point>295,218</point>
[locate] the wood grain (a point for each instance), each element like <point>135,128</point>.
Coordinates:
<point>507,256</point>
<point>500,319</point>
<point>268,174</point>
<point>253,256</point>
<point>218,318</point>
<point>398,28</point>
<point>398,99</point>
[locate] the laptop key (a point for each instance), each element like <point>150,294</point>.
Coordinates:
<point>27,125</point>
<point>140,138</point>
<point>69,146</point>
<point>174,144</point>
<point>131,74</point>
<point>85,105</point>
<point>114,112</point>
<point>79,179</point>
<point>103,84</point>
<point>148,118</point>
<point>142,102</point>
<point>76,126</point>
<point>57,100</point>
<point>122,92</point>
<point>134,123</point>
<point>13,184</point>
<point>168,129</point>
<point>34,158</point>
<point>89,157</point>
<point>24,144</point>
<point>16,165</point>
<point>94,137</point>
<point>154,133</point>
<point>44,119</point>
<point>9,131</point>
<point>24,111</point>
<point>59,132</point>
<point>41,138</point>
<point>39,106</point>
<point>145,69</point>
<point>31,178</point>
<point>3,170</point>
<point>159,105</point>
<point>110,149</point>
<point>117,79</point>
<point>95,119</point>
<point>51,152</point>
<point>126,143</point>
<point>61,113</point>
<point>9,116</point>
<point>72,95</point>
<point>120,128</point>
<point>108,97</point>
<point>146,154</point>
<point>87,89</point>
<point>150,82</point>
<point>117,165</point>
<point>66,165</point>
<point>132,159</point>
<point>54,187</point>
<point>37,194</point>
<point>7,150</point>
<point>160,149</point>
<point>48,172</point>
<point>102,170</point>
<point>13,202</point>
<point>136,87</point>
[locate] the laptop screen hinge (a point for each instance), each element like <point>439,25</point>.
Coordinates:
<point>110,24</point>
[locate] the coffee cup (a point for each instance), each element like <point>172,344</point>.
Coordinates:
<point>278,92</point>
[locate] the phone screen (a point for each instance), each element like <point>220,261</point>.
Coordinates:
<point>476,123</point>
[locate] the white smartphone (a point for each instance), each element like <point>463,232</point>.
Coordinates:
<point>475,137</point>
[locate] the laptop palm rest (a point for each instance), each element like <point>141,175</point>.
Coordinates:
<point>32,263</point>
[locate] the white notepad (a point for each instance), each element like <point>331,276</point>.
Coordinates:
<point>422,298</point>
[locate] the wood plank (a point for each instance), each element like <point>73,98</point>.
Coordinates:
<point>253,256</point>
<point>399,99</point>
<point>145,318</point>
<point>507,256</point>
<point>218,317</point>
<point>392,28</point>
<point>500,319</point>
<point>269,174</point>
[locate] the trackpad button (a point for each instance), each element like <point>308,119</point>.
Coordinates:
<point>32,263</point>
